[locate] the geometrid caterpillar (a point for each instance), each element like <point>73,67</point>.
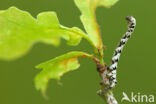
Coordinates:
<point>111,71</point>
<point>108,74</point>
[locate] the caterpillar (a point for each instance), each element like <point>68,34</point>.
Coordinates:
<point>112,69</point>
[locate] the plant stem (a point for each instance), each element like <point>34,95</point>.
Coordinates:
<point>105,92</point>
<point>109,97</point>
<point>110,72</point>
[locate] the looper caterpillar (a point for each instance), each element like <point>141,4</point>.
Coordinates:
<point>113,67</point>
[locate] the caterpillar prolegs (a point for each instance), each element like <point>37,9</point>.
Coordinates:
<point>113,67</point>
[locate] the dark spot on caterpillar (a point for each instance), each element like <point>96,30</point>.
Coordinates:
<point>112,61</point>
<point>131,26</point>
<point>119,44</point>
<point>124,37</point>
<point>119,51</point>
<point>129,31</point>
<point>128,36</point>
<point>114,68</point>
<point>116,60</point>
<point>123,42</point>
<point>111,78</point>
<point>128,18</point>
<point>115,53</point>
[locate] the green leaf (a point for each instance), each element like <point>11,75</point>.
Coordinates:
<point>56,67</point>
<point>19,31</point>
<point>88,18</point>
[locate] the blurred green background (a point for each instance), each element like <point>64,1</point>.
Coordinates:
<point>136,71</point>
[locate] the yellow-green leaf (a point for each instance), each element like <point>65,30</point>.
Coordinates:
<point>19,31</point>
<point>56,67</point>
<point>88,18</point>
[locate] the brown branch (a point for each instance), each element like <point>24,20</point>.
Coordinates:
<point>106,91</point>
